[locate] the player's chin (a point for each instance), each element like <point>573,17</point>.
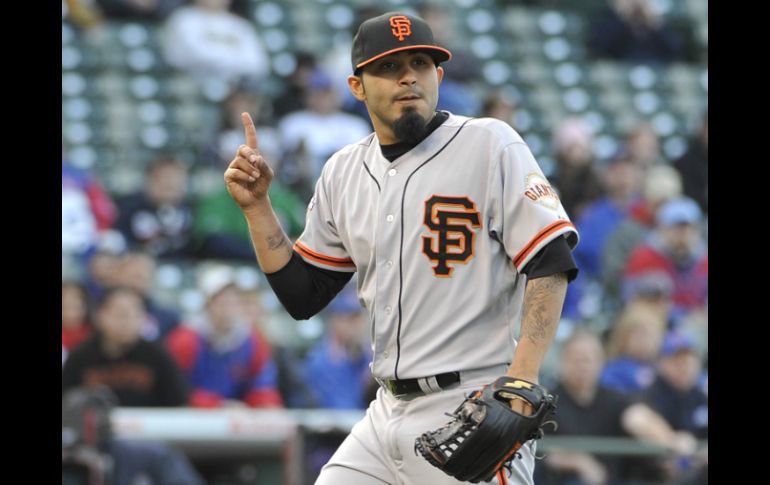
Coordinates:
<point>412,110</point>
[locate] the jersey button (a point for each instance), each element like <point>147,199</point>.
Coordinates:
<point>385,354</point>
<point>388,310</point>
<point>390,218</point>
<point>392,172</point>
<point>390,264</point>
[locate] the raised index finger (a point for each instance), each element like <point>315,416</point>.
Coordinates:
<point>250,130</point>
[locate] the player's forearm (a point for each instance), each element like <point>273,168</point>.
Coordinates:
<point>543,300</point>
<point>270,242</point>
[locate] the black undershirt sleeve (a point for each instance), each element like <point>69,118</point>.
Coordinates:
<point>304,289</point>
<point>555,257</point>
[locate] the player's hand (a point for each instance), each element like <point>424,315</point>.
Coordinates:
<point>248,176</point>
<point>522,407</point>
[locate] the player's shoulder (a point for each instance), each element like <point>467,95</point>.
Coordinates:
<point>491,128</point>
<point>348,154</point>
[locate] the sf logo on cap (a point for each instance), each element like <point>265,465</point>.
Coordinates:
<point>402,26</point>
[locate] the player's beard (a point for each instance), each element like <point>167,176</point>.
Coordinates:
<point>410,127</point>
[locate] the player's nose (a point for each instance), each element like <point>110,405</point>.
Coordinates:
<point>408,76</point>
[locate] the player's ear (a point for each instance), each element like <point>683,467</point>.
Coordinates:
<point>356,85</point>
<point>440,73</point>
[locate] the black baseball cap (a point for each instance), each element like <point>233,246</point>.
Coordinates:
<point>394,32</point>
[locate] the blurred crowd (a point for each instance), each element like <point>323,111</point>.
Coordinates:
<point>157,308</point>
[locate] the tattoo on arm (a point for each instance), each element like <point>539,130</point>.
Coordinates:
<point>278,240</point>
<point>538,316</point>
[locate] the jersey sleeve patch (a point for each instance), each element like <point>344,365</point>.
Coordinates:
<point>539,191</point>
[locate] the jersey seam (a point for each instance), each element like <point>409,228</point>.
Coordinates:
<point>366,167</point>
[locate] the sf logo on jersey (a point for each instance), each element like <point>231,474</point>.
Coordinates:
<point>453,220</point>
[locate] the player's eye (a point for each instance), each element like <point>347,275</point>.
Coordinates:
<point>388,66</point>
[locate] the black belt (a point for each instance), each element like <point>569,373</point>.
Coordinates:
<point>422,385</point>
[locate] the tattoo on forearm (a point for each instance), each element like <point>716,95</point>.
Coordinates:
<point>538,314</point>
<point>278,240</point>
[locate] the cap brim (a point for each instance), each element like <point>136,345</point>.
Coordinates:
<point>439,54</point>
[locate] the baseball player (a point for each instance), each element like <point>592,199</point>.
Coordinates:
<point>457,238</point>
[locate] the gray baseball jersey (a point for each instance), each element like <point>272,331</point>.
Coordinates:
<point>438,238</point>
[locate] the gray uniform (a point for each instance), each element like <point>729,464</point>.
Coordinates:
<point>438,238</point>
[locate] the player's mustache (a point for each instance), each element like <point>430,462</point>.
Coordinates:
<point>407,94</point>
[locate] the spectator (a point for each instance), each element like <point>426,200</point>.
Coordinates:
<point>159,219</point>
<point>622,180</point>
<point>676,394</point>
<point>136,370</point>
<point>312,135</point>
<point>338,366</point>
<point>208,40</point>
<point>661,183</point>
<point>75,318</point>
<point>227,362</point>
<point>632,349</point>
<point>633,31</point>
<point>643,146</point>
<point>576,179</point>
<point>675,249</point>
<point>588,409</point>
<point>87,211</point>
<point>694,167</point>
<point>653,291</point>
<point>136,271</point>
<point>102,270</point>
<point>595,224</point>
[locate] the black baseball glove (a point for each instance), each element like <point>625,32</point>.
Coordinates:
<point>485,434</point>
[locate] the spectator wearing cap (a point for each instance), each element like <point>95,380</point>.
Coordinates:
<point>337,368</point>
<point>310,136</point>
<point>676,393</point>
<point>661,183</point>
<point>226,361</point>
<point>676,249</point>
